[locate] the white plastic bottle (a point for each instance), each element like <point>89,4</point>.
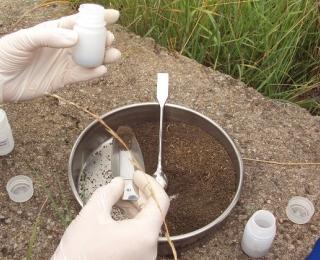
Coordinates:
<point>258,234</point>
<point>90,26</point>
<point>6,137</point>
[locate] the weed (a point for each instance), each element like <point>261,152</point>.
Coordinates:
<point>271,45</point>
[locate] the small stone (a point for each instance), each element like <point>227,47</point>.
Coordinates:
<point>313,228</point>
<point>163,53</point>
<point>291,247</point>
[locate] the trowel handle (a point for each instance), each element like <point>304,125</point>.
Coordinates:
<point>131,191</point>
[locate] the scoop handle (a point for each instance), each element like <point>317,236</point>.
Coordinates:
<point>162,88</point>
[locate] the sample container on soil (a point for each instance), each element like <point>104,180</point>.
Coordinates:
<point>258,234</point>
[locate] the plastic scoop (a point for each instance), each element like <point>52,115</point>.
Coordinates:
<point>122,161</point>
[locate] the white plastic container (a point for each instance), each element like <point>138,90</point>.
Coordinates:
<point>6,137</point>
<point>258,234</point>
<point>90,26</point>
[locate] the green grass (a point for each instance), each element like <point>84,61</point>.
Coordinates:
<point>64,220</point>
<point>270,45</point>
<point>34,232</point>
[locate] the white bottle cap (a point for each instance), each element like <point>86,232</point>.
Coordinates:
<point>299,210</point>
<point>20,188</point>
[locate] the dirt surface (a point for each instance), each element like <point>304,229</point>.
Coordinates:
<point>126,134</point>
<point>202,180</point>
<point>46,129</point>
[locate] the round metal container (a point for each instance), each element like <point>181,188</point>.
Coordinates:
<point>95,135</point>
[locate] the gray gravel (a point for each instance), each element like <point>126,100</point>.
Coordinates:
<point>45,131</point>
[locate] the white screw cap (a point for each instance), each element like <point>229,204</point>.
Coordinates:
<point>299,210</point>
<point>20,188</point>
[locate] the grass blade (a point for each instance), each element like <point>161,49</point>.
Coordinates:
<point>62,218</point>
<point>34,232</point>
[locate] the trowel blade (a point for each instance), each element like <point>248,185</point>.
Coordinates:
<point>121,165</point>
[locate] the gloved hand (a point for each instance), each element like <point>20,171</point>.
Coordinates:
<point>38,59</point>
<point>94,235</point>
<point>315,253</point>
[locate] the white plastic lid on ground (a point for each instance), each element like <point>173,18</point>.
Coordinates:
<point>299,210</point>
<point>20,188</point>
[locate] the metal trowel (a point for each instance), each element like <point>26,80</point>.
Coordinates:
<point>122,165</point>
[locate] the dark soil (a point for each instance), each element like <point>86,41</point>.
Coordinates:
<point>126,135</point>
<point>201,177</point>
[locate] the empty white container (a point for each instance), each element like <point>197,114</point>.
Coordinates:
<point>6,137</point>
<point>259,233</point>
<point>90,26</point>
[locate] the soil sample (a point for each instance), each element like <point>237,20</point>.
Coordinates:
<point>201,177</point>
<point>126,134</point>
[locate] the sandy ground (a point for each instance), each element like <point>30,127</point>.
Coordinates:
<point>45,131</point>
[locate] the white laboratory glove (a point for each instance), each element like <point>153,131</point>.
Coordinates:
<point>94,235</point>
<point>38,59</point>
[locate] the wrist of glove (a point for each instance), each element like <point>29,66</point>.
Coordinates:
<point>93,234</point>
<point>38,59</point>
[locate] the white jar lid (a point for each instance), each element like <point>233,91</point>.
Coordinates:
<point>299,210</point>
<point>20,188</point>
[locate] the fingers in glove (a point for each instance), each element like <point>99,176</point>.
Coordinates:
<point>132,208</point>
<point>111,16</point>
<point>36,37</point>
<point>111,55</point>
<point>102,200</point>
<point>66,22</point>
<point>79,73</point>
<point>109,38</point>
<point>156,197</point>
<point>128,207</point>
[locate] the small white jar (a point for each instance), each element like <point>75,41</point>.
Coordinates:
<point>6,137</point>
<point>259,233</point>
<point>90,26</point>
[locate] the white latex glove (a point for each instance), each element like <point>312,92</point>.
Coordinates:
<point>94,235</point>
<point>38,59</point>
